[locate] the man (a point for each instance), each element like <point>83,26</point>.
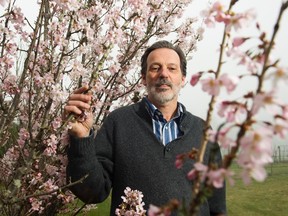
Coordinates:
<point>137,145</point>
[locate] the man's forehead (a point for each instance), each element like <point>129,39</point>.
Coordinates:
<point>163,55</point>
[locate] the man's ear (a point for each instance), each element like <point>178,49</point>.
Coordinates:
<point>183,81</point>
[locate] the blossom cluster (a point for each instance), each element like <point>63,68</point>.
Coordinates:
<point>132,204</point>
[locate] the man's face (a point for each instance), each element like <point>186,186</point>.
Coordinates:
<point>163,78</point>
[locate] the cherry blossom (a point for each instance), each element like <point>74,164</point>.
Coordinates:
<point>222,138</point>
<point>211,86</point>
<point>217,177</point>
<point>132,203</point>
<point>238,20</point>
<point>218,13</point>
<point>154,211</point>
<point>256,152</point>
<point>198,168</point>
<point>229,82</point>
<point>36,205</point>
<point>265,99</point>
<point>281,127</point>
<point>278,74</point>
<point>238,41</point>
<point>232,111</point>
<point>195,78</point>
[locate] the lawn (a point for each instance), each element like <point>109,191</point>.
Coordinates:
<point>269,198</point>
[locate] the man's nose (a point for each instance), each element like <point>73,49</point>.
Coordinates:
<point>164,72</point>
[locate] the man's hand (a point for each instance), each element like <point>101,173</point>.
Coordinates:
<point>78,107</point>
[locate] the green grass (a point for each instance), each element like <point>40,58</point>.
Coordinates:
<point>102,209</point>
<point>269,198</point>
<point>260,199</point>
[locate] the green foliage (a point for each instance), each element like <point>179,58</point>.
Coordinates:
<point>13,136</point>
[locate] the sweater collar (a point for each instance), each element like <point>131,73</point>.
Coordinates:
<point>155,112</point>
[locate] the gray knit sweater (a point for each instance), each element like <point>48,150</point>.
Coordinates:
<point>126,152</point>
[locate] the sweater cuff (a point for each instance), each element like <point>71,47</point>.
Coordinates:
<point>81,146</point>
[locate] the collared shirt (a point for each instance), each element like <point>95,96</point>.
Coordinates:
<point>165,131</point>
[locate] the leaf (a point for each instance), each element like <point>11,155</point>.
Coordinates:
<point>17,183</point>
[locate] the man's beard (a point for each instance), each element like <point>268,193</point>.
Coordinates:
<point>162,96</point>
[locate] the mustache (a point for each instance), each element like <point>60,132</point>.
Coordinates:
<point>163,82</point>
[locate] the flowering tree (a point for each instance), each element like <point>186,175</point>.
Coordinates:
<point>245,134</point>
<point>70,43</point>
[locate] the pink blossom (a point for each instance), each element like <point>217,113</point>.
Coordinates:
<point>232,112</point>
<point>10,85</point>
<point>195,78</point>
<point>217,7</point>
<point>11,48</point>
<point>7,61</point>
<point>265,99</point>
<point>244,59</point>
<point>230,82</point>
<point>36,205</point>
<point>23,136</point>
<point>71,5</point>
<point>17,17</point>
<point>49,185</point>
<point>256,152</point>
<point>258,173</point>
<point>132,203</point>
<point>8,161</point>
<point>238,20</point>
<point>217,177</point>
<point>179,161</point>
<point>199,168</point>
<point>51,170</point>
<point>222,17</point>
<point>222,138</point>
<point>51,145</point>
<point>154,211</point>
<point>218,13</point>
<point>238,41</point>
<point>281,127</point>
<point>255,171</point>
<point>56,123</point>
<point>66,198</point>
<point>279,74</point>
<point>36,179</point>
<point>211,86</point>
<point>213,14</point>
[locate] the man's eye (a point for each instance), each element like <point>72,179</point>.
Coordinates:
<point>155,68</point>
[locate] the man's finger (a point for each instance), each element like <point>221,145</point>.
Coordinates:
<point>82,90</point>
